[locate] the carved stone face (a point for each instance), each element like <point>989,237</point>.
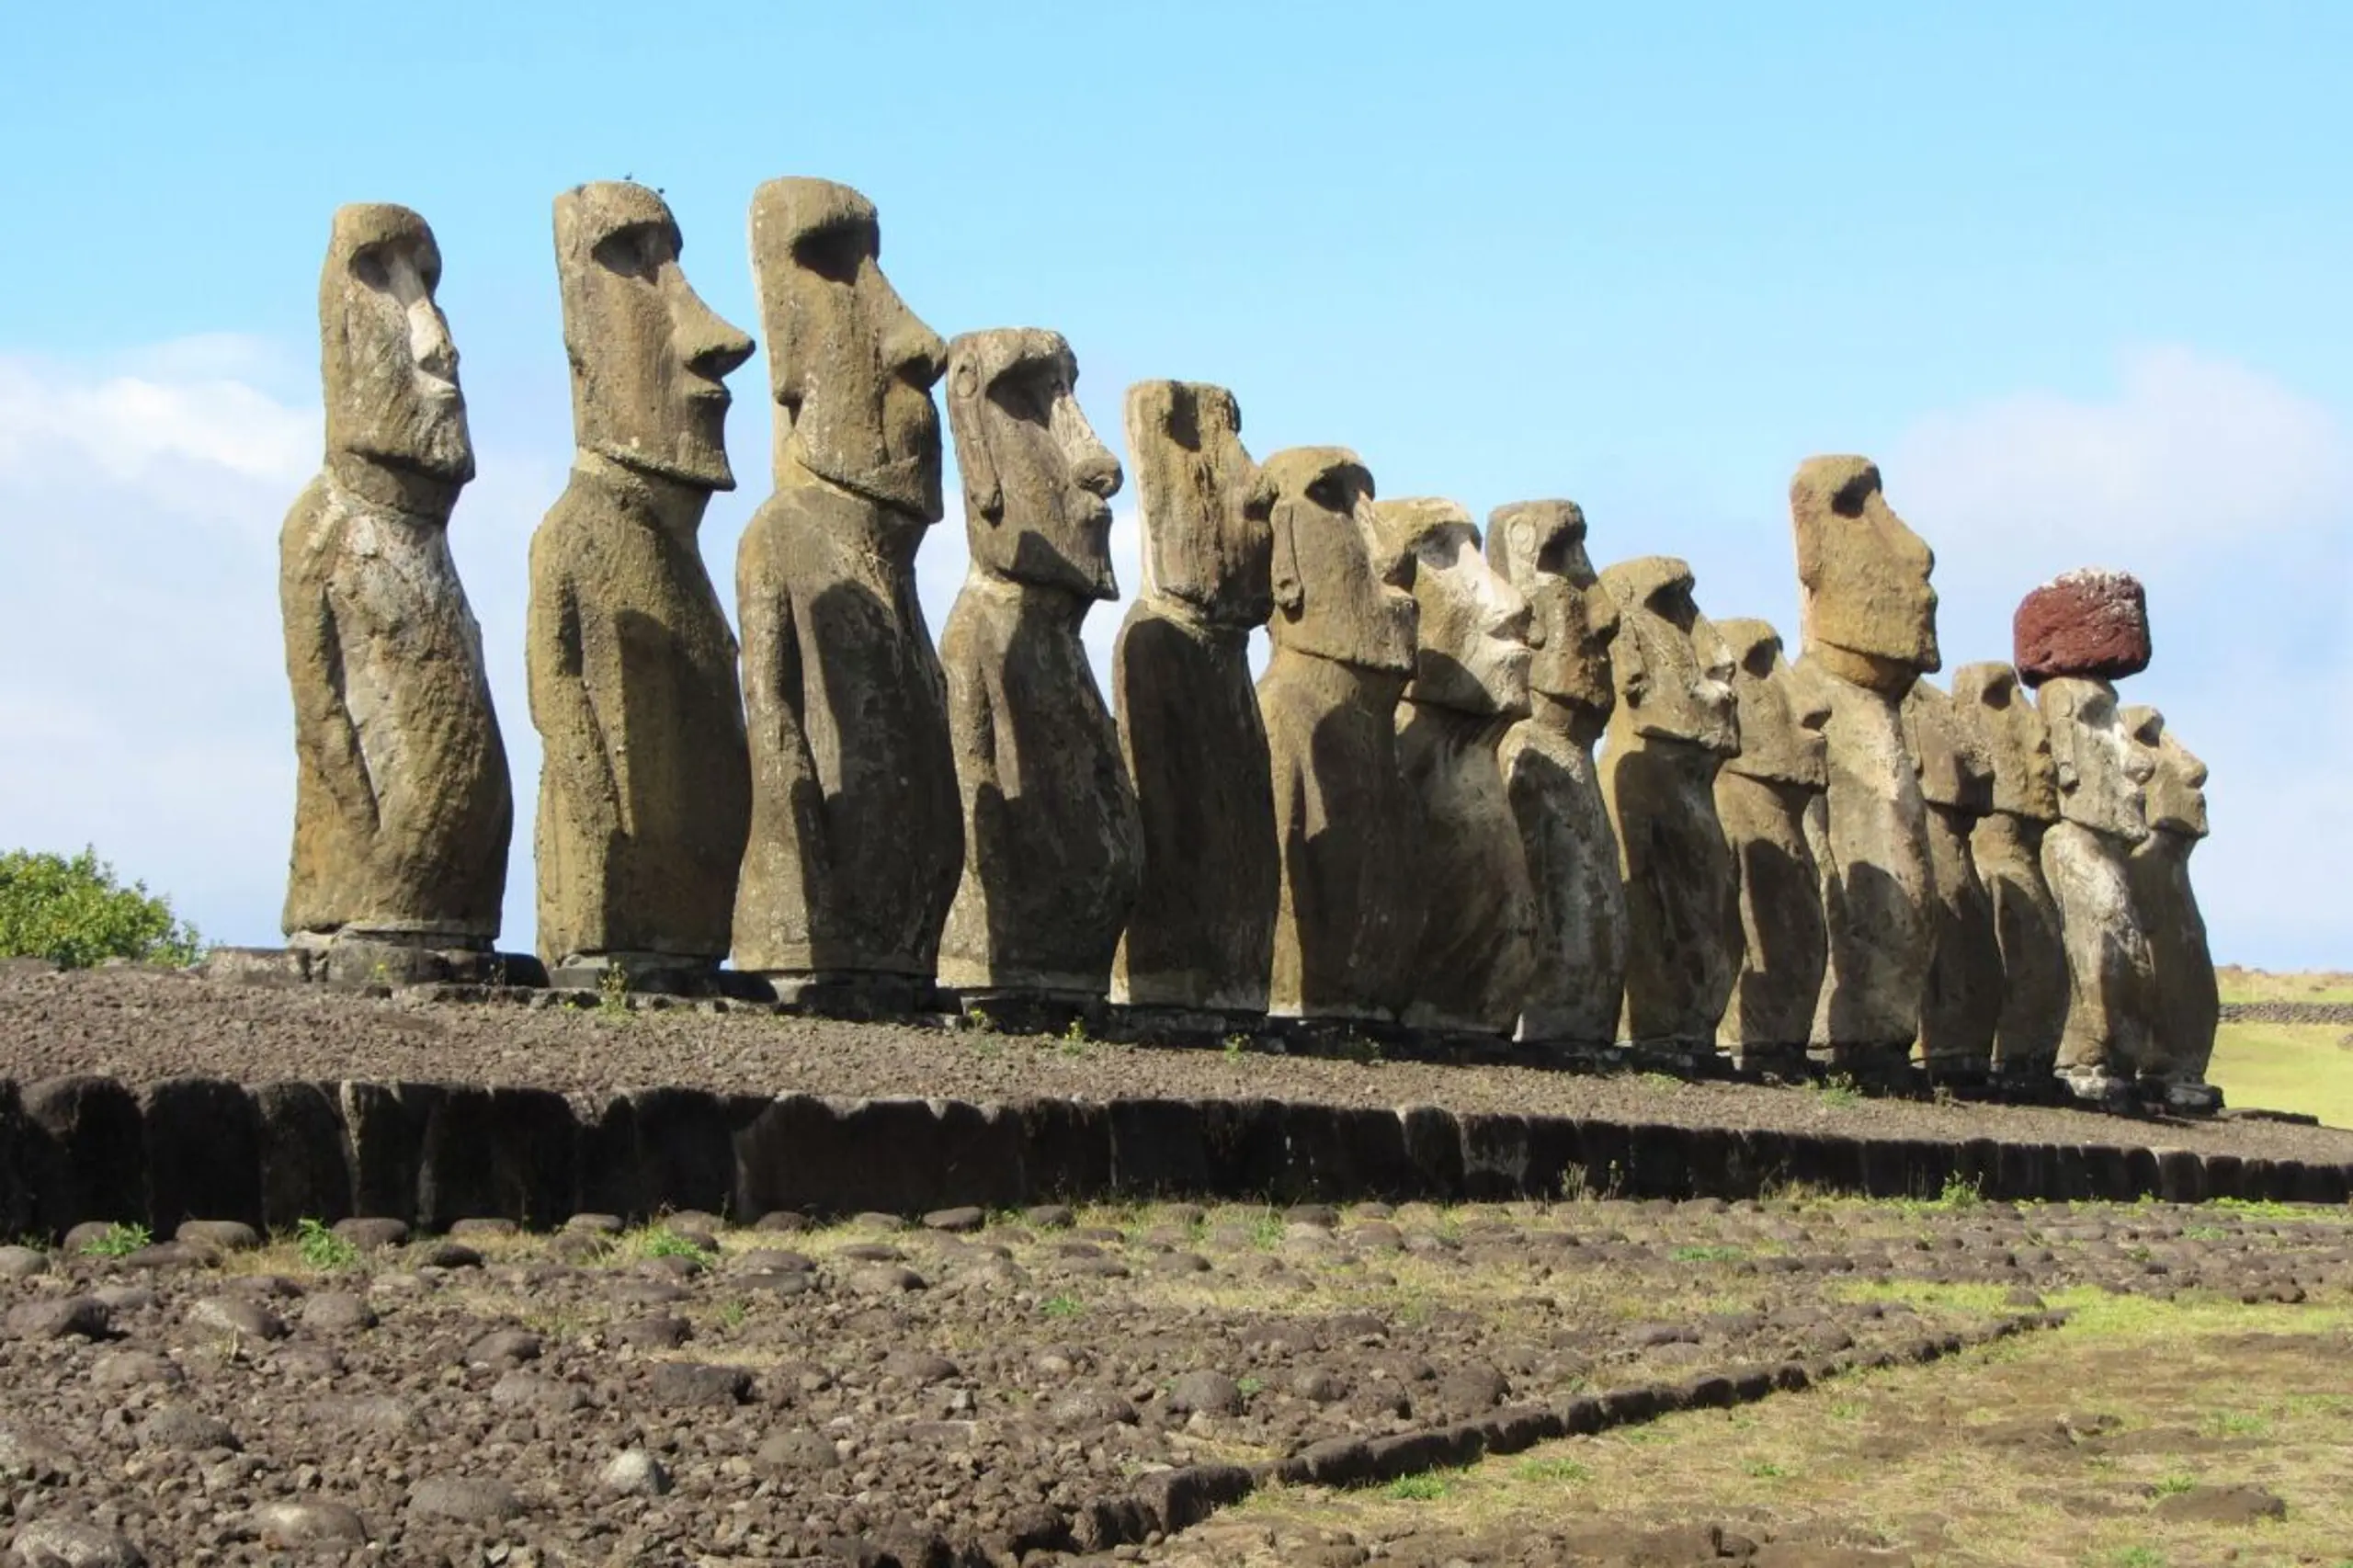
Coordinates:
<point>1954,768</point>
<point>2177,789</point>
<point>1988,699</point>
<point>1206,537</point>
<point>1341,591</point>
<point>649,358</point>
<point>390,368</point>
<point>1471,640</point>
<point>1538,546</point>
<point>850,366</point>
<point>2100,771</point>
<point>1037,485</point>
<point>1673,672</point>
<point>1781,712</point>
<point>1864,576</point>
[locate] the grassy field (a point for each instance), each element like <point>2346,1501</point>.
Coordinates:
<point>2303,985</point>
<point>2304,1067</point>
<point>2059,1450</point>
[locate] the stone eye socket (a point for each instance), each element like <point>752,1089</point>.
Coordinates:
<point>834,254</point>
<point>370,269</point>
<point>628,252</point>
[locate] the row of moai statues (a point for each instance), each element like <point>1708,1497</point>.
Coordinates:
<point>1405,821</point>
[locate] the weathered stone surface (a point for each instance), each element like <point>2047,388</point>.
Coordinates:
<point>2110,968</point>
<point>1961,1006</point>
<point>644,789</point>
<point>1578,937</point>
<point>1203,932</point>
<point>403,809</point>
<point>2006,848</point>
<point>1052,844</point>
<point>1349,912</point>
<point>203,1139</point>
<point>857,834</point>
<point>1869,620</point>
<point>2183,1005</point>
<point>2091,622</point>
<point>1765,798</point>
<point>85,1158</point>
<point>1675,723</point>
<point>1471,682</point>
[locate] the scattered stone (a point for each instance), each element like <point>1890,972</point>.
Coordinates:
<point>370,1233</point>
<point>231,1317</point>
<point>504,1347</point>
<point>470,1499</point>
<point>957,1222</point>
<point>2221,1505</point>
<point>177,1426</point>
<point>227,1236</point>
<point>22,1263</point>
<point>693,1385</point>
<point>650,1334</point>
<point>313,1523</point>
<point>781,1221</point>
<point>337,1311</point>
<point>27,1455</point>
<point>135,1369</point>
<point>83,1317</point>
<point>1210,1393</point>
<point>480,1228</point>
<point>882,1279</point>
<point>799,1449</point>
<point>444,1254</point>
<point>68,1543</point>
<point>634,1473</point>
<point>530,1391</point>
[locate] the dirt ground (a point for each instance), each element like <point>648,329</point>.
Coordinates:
<point>692,1393</point>
<point>141,1026</point>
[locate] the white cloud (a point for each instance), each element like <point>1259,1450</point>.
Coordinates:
<point>2230,496</point>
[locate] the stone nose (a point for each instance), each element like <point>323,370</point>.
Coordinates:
<point>710,347</point>
<point>429,341</point>
<point>916,352</point>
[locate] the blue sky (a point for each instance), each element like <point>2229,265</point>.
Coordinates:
<point>2075,275</point>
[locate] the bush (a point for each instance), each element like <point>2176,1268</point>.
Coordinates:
<point>73,912</point>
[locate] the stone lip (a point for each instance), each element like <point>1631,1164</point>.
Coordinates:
<point>2092,622</point>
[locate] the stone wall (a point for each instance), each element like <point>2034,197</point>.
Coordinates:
<point>82,1148</point>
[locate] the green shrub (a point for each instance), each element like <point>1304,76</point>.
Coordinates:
<point>73,912</point>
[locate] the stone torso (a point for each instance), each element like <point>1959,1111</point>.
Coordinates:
<point>1350,910</point>
<point>1681,903</point>
<point>1201,934</point>
<point>646,793</point>
<point>1474,964</point>
<point>1877,882</point>
<point>1053,843</point>
<point>1578,978</point>
<point>404,808</point>
<point>2008,852</point>
<point>857,839</point>
<point>1961,1005</point>
<point>2185,1004</point>
<point>1783,942</point>
<point>2110,964</point>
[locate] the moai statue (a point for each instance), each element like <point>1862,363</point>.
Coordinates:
<point>1769,800</point>
<point>1473,969</point>
<point>1350,912</point>
<point>645,791</point>
<point>1869,623</point>
<point>1579,940</point>
<point>2073,638</point>
<point>402,806</point>
<point>2006,848</point>
<point>1961,1008</point>
<point>1201,937</point>
<point>1053,844</point>
<point>2185,1006</point>
<point>1675,723</point>
<point>857,836</point>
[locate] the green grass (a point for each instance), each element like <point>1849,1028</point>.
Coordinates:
<point>2261,985</point>
<point>1708,1254</point>
<point>1427,1488</point>
<point>120,1241</point>
<point>660,1241</point>
<point>1562,1471</point>
<point>321,1250</point>
<point>1062,1306</point>
<point>2296,1067</point>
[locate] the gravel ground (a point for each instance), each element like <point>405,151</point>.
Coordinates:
<point>141,1026</point>
<point>694,1394</point>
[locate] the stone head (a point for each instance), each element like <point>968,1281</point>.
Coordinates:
<point>1953,765</point>
<point>1470,637</point>
<point>1782,713</point>
<point>1206,538</point>
<point>1673,671</point>
<point>1862,576</point>
<point>384,350</point>
<point>851,367</point>
<point>1038,484</point>
<point>2177,788</point>
<point>2101,774</point>
<point>1989,700</point>
<point>1341,593</point>
<point>649,358</point>
<point>1538,546</point>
